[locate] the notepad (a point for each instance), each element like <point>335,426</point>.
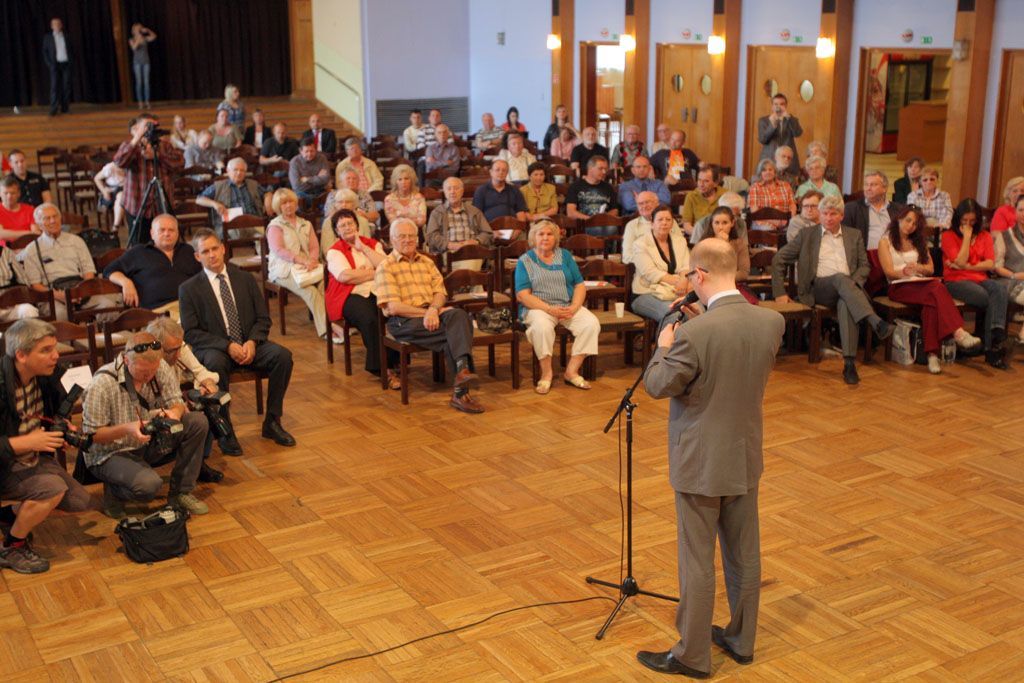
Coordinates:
<point>80,375</point>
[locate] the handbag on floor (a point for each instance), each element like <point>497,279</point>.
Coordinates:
<point>905,340</point>
<point>159,536</point>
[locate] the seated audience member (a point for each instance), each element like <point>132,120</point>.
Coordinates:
<point>188,370</point>
<point>512,123</point>
<point>808,217</point>
<point>456,224</point>
<point>226,135</point>
<point>589,147</point>
<point>294,251</point>
<point>662,134</point>
<point>442,154</point>
<point>702,201</point>
<point>234,192</point>
<point>226,323</point>
<point>257,132</point>
<point>370,177</point>
<point>342,199</point>
<point>149,274</point>
<point>35,189</point>
<point>818,149</point>
<point>279,147</point>
<point>405,200</point>
<point>324,139</point>
<point>910,181</point>
<point>768,192</point>
<point>563,145</point>
<point>411,292</point>
<point>349,296</point>
<point>32,482</point>
<point>555,128</point>
<point>903,255</point>
<point>541,197</point>
<point>646,203</point>
<point>366,207</point>
<point>58,260</point>
<point>488,139</point>
<point>124,396</point>
<point>232,104</point>
<point>411,134</point>
<point>629,148</point>
<point>872,214</point>
<point>16,219</point>
<point>591,195</point>
<point>309,174</point>
<point>643,180</point>
<point>109,182</point>
<point>933,202</point>
<point>426,135</point>
<point>968,254</point>
<point>203,153</point>
<point>518,159</point>
<point>1009,252</point>
<point>677,162</point>
<point>498,198</point>
<point>550,291</point>
<point>734,202</point>
<point>833,267</point>
<point>1005,216</point>
<point>816,179</point>
<point>11,275</point>
<point>784,161</point>
<point>723,227</point>
<point>181,135</point>
<point>661,259</point>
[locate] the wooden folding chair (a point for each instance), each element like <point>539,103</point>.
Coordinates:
<point>405,351</point>
<point>96,286</point>
<point>24,294</point>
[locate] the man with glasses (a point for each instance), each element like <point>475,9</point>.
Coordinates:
<point>808,216</point>
<point>643,180</point>
<point>121,410</point>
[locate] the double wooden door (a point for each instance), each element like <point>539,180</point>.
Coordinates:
<point>1008,152</point>
<point>688,98</point>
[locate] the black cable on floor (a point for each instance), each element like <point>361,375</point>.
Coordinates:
<point>441,633</point>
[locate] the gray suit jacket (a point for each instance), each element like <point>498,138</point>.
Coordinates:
<point>803,251</point>
<point>715,373</point>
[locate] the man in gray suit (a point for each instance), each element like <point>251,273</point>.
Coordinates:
<point>777,129</point>
<point>832,267</point>
<point>715,367</point>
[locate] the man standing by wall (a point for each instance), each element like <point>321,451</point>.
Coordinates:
<point>57,57</point>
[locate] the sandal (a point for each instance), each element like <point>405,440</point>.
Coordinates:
<point>577,382</point>
<point>394,381</point>
<point>543,386</point>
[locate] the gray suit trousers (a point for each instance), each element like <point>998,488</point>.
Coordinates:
<point>699,519</point>
<point>851,303</point>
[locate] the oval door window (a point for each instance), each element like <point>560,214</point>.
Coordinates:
<point>771,87</point>
<point>677,82</point>
<point>806,91</point>
<point>705,84</point>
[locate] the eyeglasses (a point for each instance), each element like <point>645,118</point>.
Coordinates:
<point>690,274</point>
<point>809,206</point>
<point>142,348</point>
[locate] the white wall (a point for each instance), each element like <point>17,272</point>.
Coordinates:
<point>517,73</point>
<point>1008,34</point>
<point>669,18</point>
<point>594,20</point>
<point>338,53</point>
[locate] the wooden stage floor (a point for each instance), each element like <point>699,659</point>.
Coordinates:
<point>891,519</point>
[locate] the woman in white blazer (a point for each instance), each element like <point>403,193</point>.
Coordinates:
<point>661,259</point>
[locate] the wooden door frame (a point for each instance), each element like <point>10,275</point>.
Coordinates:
<point>995,196</point>
<point>584,69</point>
<point>857,169</point>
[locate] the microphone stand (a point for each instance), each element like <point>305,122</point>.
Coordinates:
<point>629,586</point>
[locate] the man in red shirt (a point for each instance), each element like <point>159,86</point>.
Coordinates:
<point>15,218</point>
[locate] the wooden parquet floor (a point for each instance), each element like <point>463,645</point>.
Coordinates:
<point>890,518</point>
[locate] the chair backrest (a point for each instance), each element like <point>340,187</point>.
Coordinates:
<point>96,286</point>
<point>99,242</point>
<point>508,223</point>
<point>197,170</point>
<point>584,245</point>
<point>81,339</point>
<point>106,258</point>
<point>464,279</point>
<point>507,257</point>
<point>23,294</point>
<point>276,167</point>
<point>766,238</point>
<point>471,252</point>
<point>129,320</point>
<point>768,214</point>
<point>619,275</point>
<point>74,220</point>
<point>602,220</point>
<point>23,241</point>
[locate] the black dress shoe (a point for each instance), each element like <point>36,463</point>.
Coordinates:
<point>850,375</point>
<point>666,663</point>
<point>209,475</point>
<point>229,445</point>
<point>272,429</point>
<point>997,359</point>
<point>718,638</point>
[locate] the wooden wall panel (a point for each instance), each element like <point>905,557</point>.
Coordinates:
<point>638,65</point>
<point>300,17</point>
<point>1007,150</point>
<point>563,19</point>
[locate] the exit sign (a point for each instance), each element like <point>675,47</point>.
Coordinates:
<point>926,40</point>
<point>798,39</point>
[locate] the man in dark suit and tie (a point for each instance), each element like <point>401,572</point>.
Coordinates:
<point>57,58</point>
<point>325,139</point>
<point>714,367</point>
<point>832,266</point>
<point>226,324</point>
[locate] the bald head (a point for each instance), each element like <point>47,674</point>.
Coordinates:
<point>717,258</point>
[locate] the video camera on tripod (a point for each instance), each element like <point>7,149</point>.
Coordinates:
<point>154,133</point>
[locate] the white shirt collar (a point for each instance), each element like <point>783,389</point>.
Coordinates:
<point>212,276</point>
<point>720,295</point>
<point>826,233</point>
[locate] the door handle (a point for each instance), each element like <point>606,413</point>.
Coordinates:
<point>685,115</point>
<point>695,114</point>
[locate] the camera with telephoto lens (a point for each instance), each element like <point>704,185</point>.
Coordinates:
<point>210,404</point>
<point>154,133</point>
<point>60,422</point>
<point>161,425</point>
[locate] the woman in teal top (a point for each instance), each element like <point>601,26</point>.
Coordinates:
<point>550,291</point>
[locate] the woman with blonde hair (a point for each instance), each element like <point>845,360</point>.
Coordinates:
<point>405,200</point>
<point>226,135</point>
<point>233,105</point>
<point>294,252</point>
<point>1005,216</point>
<point>181,135</point>
<point>342,199</point>
<point>816,179</point>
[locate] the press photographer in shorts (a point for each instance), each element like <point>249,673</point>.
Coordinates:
<point>135,412</point>
<point>31,479</point>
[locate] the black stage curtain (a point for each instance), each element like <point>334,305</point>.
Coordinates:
<point>87,28</point>
<point>202,46</point>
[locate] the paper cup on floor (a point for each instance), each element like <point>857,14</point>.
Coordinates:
<point>620,309</point>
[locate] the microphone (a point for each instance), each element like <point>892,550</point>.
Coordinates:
<point>687,300</point>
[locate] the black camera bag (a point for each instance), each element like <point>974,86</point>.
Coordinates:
<point>145,543</point>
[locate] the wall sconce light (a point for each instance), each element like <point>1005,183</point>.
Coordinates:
<point>961,50</point>
<point>627,42</point>
<point>554,42</point>
<point>825,48</point>
<point>716,45</point>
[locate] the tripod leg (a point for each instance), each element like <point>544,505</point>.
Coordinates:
<point>615,610</point>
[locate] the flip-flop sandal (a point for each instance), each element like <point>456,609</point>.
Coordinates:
<point>543,386</point>
<point>394,382</point>
<point>577,382</point>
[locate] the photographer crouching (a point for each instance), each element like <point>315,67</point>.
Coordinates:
<point>134,410</point>
<point>31,397</point>
<point>149,154</point>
